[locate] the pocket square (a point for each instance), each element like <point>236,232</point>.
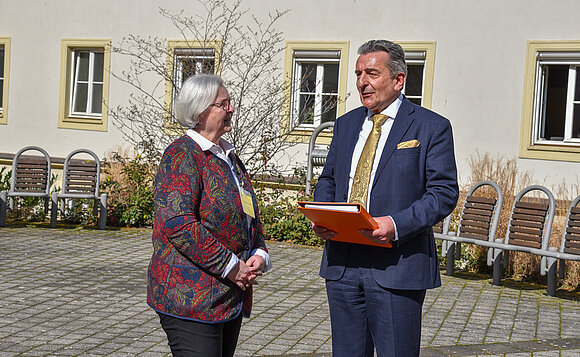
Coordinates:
<point>408,144</point>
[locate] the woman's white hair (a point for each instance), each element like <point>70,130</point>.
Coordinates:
<point>197,93</point>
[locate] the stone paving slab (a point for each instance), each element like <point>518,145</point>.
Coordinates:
<point>81,292</point>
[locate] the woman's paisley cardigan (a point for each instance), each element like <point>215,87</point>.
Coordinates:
<point>199,222</point>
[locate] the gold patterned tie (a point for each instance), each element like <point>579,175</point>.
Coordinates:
<point>362,175</point>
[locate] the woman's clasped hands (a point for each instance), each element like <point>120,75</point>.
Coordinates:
<point>244,274</point>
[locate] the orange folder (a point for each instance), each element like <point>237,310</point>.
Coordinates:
<point>344,218</point>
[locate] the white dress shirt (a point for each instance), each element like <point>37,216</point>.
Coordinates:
<point>390,111</point>
<point>223,151</point>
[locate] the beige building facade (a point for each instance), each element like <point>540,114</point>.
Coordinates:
<point>506,73</point>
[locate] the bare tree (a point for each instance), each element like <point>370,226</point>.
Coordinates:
<point>245,54</point>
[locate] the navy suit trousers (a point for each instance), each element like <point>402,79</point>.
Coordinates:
<point>365,315</point>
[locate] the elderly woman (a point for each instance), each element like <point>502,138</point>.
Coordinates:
<point>208,243</point>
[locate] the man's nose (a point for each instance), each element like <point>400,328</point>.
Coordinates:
<point>362,80</point>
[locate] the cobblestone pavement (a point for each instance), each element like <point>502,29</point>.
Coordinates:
<point>78,292</point>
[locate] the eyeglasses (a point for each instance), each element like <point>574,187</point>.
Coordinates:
<point>224,104</point>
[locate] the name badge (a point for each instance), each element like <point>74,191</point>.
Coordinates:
<point>247,203</point>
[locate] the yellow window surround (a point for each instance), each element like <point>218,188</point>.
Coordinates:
<point>5,44</point>
<point>65,119</point>
<point>302,135</point>
<point>172,45</point>
<point>529,149</point>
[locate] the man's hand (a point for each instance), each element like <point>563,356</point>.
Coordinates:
<point>323,232</point>
<point>243,276</point>
<point>382,235</point>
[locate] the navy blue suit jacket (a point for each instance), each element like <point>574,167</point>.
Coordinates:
<point>416,186</point>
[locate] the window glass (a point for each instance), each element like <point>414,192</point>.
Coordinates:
<point>330,78</point>
<point>554,118</point>
<point>577,89</point>
<point>190,61</point>
<point>80,96</point>
<point>97,99</point>
<point>414,85</point>
<point>87,82</point>
<point>306,114</point>
<point>576,124</point>
<point>315,89</point>
<point>98,66</point>
<point>329,108</point>
<point>82,70</point>
<point>308,82</point>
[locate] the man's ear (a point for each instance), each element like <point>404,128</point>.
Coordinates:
<point>400,81</point>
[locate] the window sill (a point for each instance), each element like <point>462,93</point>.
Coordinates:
<point>302,135</point>
<point>83,123</point>
<point>552,151</point>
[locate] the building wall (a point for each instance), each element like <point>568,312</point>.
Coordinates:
<point>478,76</point>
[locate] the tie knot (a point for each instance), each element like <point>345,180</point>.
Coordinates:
<point>378,120</point>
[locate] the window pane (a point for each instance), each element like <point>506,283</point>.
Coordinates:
<point>83,66</point>
<point>555,105</point>
<point>576,124</point>
<point>414,85</point>
<point>1,92</point>
<point>97,103</point>
<point>306,113</point>
<point>99,66</point>
<point>80,98</point>
<point>330,84</point>
<point>1,62</point>
<point>577,89</point>
<point>308,80</point>
<point>207,66</point>
<point>188,68</point>
<point>328,108</point>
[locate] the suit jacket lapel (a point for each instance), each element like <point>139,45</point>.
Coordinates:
<point>353,128</point>
<point>400,126</point>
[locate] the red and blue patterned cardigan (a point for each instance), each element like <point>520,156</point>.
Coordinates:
<point>199,222</point>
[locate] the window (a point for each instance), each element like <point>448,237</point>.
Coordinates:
<point>87,82</point>
<point>420,58</point>
<point>413,88</point>
<point>84,84</point>
<point>557,104</point>
<point>315,87</point>
<point>551,114</point>
<point>4,70</point>
<point>184,59</point>
<point>190,61</point>
<point>315,75</point>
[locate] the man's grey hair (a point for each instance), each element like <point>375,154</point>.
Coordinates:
<point>397,63</point>
<point>197,93</point>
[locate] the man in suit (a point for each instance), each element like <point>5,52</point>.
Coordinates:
<point>376,294</point>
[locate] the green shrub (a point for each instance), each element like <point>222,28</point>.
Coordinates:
<point>281,219</point>
<point>129,184</point>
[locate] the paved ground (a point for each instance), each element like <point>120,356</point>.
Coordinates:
<point>75,292</point>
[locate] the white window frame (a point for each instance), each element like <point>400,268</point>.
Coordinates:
<point>416,58</point>
<point>546,58</point>
<point>320,58</point>
<point>91,82</point>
